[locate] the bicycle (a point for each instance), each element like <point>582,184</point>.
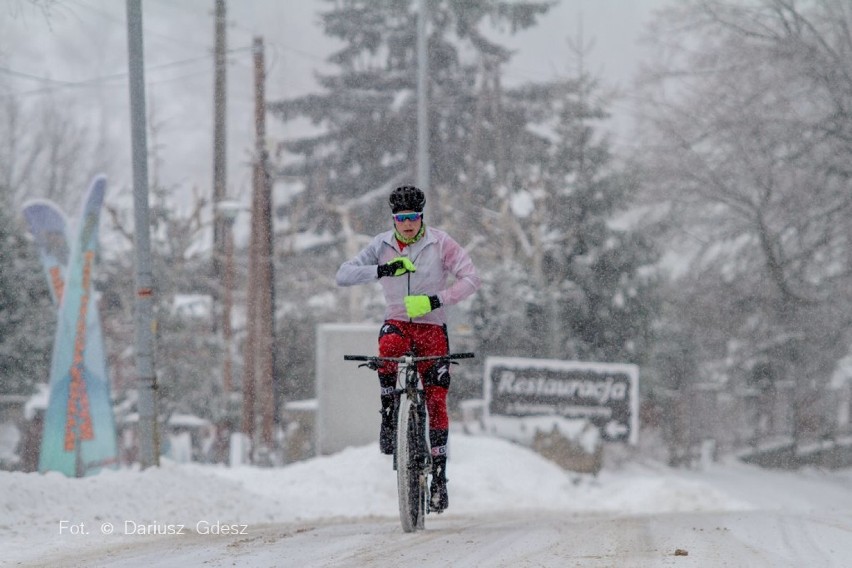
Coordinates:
<point>412,455</point>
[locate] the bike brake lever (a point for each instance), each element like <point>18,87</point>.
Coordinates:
<point>372,365</point>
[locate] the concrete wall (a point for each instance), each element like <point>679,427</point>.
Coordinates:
<point>347,396</point>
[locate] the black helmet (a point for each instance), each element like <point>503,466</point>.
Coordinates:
<point>407,198</point>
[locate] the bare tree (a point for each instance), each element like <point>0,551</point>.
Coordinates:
<point>44,152</point>
<point>746,113</point>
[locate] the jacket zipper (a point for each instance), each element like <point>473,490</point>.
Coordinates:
<point>408,287</point>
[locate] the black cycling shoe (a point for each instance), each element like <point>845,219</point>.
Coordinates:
<point>387,432</point>
<point>439,499</point>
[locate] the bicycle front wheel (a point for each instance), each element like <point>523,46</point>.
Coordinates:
<point>411,484</point>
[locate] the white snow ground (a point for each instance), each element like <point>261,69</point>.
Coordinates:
<point>508,507</point>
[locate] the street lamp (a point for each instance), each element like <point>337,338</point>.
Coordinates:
<point>228,209</point>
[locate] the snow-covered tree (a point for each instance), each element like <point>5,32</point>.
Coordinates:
<point>519,174</point>
<point>27,316</point>
<point>747,126</point>
<point>188,359</point>
<point>365,141</point>
<point>367,113</point>
<point>582,267</point>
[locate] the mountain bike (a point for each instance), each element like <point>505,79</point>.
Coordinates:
<point>412,455</point>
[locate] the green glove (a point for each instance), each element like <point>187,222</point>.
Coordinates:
<point>396,267</point>
<point>417,306</point>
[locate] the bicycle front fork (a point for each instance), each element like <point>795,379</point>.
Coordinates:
<point>424,449</point>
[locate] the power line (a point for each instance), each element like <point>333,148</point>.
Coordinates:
<point>233,24</point>
<point>121,22</point>
<point>58,84</point>
<point>23,75</point>
<point>276,46</point>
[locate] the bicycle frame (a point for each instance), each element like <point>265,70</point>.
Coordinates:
<point>408,385</point>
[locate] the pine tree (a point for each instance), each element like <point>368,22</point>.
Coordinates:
<point>367,112</point>
<point>585,282</point>
<point>27,316</point>
<point>520,171</point>
<point>609,307</point>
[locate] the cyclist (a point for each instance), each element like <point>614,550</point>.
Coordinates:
<point>413,264</point>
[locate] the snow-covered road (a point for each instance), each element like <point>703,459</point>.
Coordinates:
<point>533,538</point>
<point>509,507</point>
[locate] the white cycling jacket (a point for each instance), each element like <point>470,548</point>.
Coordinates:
<point>436,256</point>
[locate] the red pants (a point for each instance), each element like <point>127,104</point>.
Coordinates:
<point>397,338</point>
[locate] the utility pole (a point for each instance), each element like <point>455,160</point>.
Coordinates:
<point>259,382</point>
<point>220,226</point>
<point>266,319</point>
<point>422,97</point>
<point>247,425</point>
<point>146,379</point>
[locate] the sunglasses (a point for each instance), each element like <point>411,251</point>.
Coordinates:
<point>400,217</point>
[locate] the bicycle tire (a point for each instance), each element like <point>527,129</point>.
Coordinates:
<point>410,484</point>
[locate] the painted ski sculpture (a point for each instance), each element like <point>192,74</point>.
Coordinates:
<point>79,435</point>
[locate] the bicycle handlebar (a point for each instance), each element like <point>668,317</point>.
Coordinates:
<point>405,358</point>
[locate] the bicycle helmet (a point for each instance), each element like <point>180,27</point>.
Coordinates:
<point>407,198</point>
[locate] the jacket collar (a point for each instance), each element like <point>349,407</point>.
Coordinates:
<point>415,247</point>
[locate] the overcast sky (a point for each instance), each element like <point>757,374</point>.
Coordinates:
<point>45,52</point>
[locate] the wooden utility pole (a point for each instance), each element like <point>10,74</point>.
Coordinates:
<point>247,426</point>
<point>266,343</point>
<point>220,226</point>
<point>259,381</point>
